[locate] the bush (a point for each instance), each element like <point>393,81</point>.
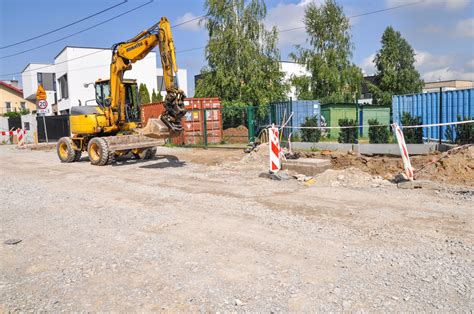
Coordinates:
<point>348,135</point>
<point>415,135</point>
<point>461,133</point>
<point>311,135</point>
<point>12,114</point>
<point>377,134</point>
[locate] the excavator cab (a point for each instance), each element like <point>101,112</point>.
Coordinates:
<point>131,100</point>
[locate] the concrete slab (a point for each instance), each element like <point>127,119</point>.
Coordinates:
<point>307,166</point>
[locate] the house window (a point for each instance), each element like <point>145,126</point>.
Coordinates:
<point>40,78</point>
<point>23,105</point>
<point>8,105</point>
<point>63,86</point>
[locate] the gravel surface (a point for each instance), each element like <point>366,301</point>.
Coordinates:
<point>196,230</point>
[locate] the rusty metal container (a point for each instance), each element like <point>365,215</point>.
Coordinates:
<point>193,122</point>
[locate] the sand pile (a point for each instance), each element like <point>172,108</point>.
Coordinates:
<point>260,155</point>
<point>453,167</point>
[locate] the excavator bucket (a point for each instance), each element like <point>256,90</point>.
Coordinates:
<point>155,128</point>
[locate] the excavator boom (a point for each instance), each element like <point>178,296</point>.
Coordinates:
<point>135,49</point>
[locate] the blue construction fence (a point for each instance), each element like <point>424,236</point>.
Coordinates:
<point>453,104</point>
<point>280,113</point>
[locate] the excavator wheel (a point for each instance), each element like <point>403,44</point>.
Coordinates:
<point>151,152</point>
<point>147,153</point>
<point>65,150</point>
<point>77,155</point>
<point>98,151</point>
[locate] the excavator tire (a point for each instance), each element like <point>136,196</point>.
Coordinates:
<point>98,151</point>
<point>111,159</point>
<point>65,150</point>
<point>150,153</point>
<point>77,155</point>
<point>146,154</point>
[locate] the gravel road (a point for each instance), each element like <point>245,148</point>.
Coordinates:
<point>196,230</point>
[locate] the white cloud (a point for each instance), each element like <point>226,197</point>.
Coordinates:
<point>441,67</point>
<point>465,28</point>
<point>447,74</point>
<point>191,26</point>
<point>368,66</point>
<point>445,4</point>
<point>289,16</point>
<point>425,61</point>
<point>470,64</point>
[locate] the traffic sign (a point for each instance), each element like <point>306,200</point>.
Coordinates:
<point>42,106</point>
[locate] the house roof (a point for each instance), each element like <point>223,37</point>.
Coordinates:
<point>16,89</point>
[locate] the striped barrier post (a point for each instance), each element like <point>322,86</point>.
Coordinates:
<point>403,151</point>
<point>274,146</point>
<point>21,137</point>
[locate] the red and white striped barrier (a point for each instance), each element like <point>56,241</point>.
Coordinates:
<point>403,151</point>
<point>274,146</point>
<point>18,132</point>
<point>21,137</point>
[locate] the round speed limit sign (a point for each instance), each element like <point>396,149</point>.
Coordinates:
<point>42,104</point>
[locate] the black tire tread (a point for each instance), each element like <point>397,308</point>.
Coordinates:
<point>70,151</point>
<point>104,156</point>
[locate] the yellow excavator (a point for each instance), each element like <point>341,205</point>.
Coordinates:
<point>113,127</point>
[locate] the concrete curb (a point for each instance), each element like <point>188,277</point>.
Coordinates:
<point>371,149</point>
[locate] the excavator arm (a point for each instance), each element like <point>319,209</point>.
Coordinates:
<point>128,52</point>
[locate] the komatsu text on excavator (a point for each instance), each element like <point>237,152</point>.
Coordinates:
<point>113,127</point>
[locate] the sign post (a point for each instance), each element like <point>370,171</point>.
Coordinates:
<point>42,107</point>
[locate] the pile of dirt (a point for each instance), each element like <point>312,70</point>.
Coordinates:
<point>260,155</point>
<point>453,167</point>
<point>350,177</point>
<point>236,135</point>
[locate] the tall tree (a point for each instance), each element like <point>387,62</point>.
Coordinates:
<point>334,78</point>
<point>156,97</point>
<point>241,54</point>
<point>395,68</point>
<point>144,94</point>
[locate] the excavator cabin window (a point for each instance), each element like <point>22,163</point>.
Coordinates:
<point>132,103</point>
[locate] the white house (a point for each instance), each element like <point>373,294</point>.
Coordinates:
<point>292,69</point>
<point>75,66</point>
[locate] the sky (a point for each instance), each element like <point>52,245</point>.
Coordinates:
<point>440,31</point>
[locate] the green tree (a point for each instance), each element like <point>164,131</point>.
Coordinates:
<point>144,94</point>
<point>334,78</point>
<point>302,84</point>
<point>395,69</point>
<point>242,56</point>
<point>412,135</point>
<point>156,97</point>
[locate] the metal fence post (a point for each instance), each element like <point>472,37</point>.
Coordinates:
<point>440,130</point>
<point>250,123</point>
<point>205,127</point>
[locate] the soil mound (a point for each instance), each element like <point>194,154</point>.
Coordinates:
<point>452,167</point>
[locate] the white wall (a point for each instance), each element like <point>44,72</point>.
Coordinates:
<point>182,81</point>
<point>86,65</point>
<point>30,82</point>
<point>96,65</point>
<point>292,69</point>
